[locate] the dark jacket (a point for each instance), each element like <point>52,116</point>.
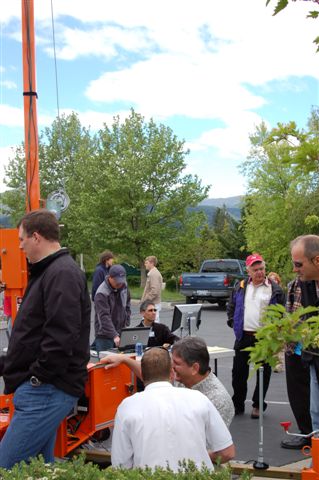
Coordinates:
<point>50,336</point>
<point>160,334</point>
<point>304,294</point>
<point>99,275</point>
<point>236,305</point>
<point>112,310</point>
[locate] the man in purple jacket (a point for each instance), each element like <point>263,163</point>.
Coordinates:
<point>112,309</point>
<point>249,299</point>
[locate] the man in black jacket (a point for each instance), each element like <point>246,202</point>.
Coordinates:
<point>302,368</point>
<point>160,334</point>
<point>46,363</point>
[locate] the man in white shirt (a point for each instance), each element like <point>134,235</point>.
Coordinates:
<point>245,309</point>
<point>182,423</point>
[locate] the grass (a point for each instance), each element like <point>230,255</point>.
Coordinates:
<point>137,292</point>
<point>167,295</point>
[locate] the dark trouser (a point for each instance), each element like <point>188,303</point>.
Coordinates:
<point>240,374</point>
<point>298,388</point>
<point>102,344</point>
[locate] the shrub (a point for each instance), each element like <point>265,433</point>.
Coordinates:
<point>77,469</point>
<point>171,284</point>
<point>133,280</point>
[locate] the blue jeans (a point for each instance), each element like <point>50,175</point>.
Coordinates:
<point>102,344</point>
<point>314,398</point>
<point>37,416</point>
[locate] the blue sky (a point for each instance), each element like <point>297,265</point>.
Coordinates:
<point>211,70</point>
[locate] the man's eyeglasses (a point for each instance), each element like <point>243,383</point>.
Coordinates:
<point>300,264</point>
<point>152,310</point>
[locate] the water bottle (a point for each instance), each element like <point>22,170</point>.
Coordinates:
<point>138,350</point>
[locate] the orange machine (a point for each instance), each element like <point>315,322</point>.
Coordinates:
<point>96,410</point>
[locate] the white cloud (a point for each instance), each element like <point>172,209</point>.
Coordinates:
<point>8,84</point>
<point>6,153</point>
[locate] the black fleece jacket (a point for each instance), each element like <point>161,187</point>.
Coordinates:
<point>50,336</point>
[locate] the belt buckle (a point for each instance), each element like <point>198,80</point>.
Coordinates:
<point>35,382</point>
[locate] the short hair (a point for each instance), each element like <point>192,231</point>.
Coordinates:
<point>310,244</point>
<point>43,222</point>
<point>192,350</point>
<point>156,365</point>
<point>145,304</point>
<point>152,259</point>
<point>276,276</point>
<point>106,255</point>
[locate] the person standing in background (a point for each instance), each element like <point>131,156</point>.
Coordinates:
<point>154,284</point>
<point>101,270</point>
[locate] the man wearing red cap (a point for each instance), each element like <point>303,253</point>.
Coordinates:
<point>249,299</point>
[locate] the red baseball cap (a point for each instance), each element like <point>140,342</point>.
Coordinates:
<point>251,259</point>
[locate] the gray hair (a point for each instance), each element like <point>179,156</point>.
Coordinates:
<point>193,350</point>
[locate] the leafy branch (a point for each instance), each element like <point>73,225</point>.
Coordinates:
<point>281,329</point>
<point>281,4</point>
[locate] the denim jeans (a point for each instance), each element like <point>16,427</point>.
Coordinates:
<point>32,431</point>
<point>314,398</point>
<point>102,344</point>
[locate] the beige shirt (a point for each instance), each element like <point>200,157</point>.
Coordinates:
<point>153,286</point>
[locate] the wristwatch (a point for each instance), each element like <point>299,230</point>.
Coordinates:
<point>35,382</point>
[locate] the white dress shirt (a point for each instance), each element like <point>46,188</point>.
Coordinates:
<point>164,425</point>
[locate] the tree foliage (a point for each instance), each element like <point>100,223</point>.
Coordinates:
<point>126,184</point>
<point>282,4</point>
<point>282,200</point>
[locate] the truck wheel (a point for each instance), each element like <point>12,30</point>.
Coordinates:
<point>221,303</point>
<point>191,300</point>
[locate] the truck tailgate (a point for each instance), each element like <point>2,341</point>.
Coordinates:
<point>203,281</point>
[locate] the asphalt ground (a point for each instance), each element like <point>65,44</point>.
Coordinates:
<point>245,431</point>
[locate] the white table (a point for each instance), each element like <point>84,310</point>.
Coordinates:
<point>219,352</point>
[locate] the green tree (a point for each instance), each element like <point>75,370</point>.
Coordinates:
<point>280,198</point>
<point>230,235</point>
<point>282,4</point>
<point>62,148</point>
<point>134,195</point>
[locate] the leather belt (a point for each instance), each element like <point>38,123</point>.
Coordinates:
<point>249,333</point>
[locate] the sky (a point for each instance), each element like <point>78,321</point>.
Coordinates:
<point>211,70</point>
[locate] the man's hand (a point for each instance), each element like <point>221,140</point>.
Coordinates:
<point>116,340</point>
<point>113,360</point>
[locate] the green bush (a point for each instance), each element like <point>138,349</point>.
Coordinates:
<point>171,284</point>
<point>133,280</point>
<point>77,469</point>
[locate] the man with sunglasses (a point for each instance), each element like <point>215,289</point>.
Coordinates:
<point>301,367</point>
<point>160,334</point>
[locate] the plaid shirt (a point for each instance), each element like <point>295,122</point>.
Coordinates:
<point>294,296</point>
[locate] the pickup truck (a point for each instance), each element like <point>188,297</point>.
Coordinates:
<point>214,281</point>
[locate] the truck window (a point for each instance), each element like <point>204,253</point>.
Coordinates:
<point>217,266</point>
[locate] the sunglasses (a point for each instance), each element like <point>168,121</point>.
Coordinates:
<point>152,310</point>
<point>297,264</point>
<point>300,264</point>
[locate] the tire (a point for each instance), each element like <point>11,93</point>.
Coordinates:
<point>222,303</point>
<point>191,300</point>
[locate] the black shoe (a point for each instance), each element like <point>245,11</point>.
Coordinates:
<point>296,443</point>
<point>239,411</point>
